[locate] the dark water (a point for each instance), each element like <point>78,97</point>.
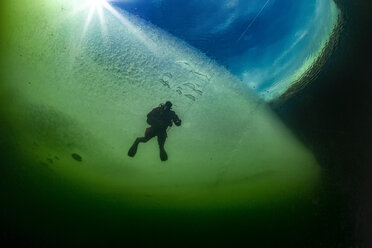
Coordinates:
<point>332,116</point>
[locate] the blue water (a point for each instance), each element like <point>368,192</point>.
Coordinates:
<point>262,46</point>
<point>215,29</point>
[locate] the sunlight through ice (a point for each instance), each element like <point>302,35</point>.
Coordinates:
<point>98,6</point>
<point>231,150</point>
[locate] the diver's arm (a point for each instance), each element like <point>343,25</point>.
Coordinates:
<point>177,121</point>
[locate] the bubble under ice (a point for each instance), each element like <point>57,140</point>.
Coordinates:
<point>91,97</point>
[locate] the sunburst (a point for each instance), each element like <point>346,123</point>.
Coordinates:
<point>99,8</point>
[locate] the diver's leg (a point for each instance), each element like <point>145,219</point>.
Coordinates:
<point>161,141</point>
<point>149,134</point>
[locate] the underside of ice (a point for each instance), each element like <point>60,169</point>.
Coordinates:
<point>89,97</point>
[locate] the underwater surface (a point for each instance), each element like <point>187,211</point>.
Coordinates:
<point>79,78</point>
<point>82,97</point>
<point>266,44</point>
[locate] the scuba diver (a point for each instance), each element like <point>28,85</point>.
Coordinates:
<point>159,119</point>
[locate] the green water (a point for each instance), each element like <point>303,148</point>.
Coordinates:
<point>64,94</point>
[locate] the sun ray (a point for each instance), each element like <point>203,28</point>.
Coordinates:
<point>99,8</point>
<point>87,23</point>
<point>103,24</point>
<point>147,42</point>
<point>76,50</point>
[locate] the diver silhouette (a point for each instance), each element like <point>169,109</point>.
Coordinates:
<point>159,119</point>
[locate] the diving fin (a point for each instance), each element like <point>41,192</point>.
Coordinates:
<point>163,155</point>
<point>133,150</point>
